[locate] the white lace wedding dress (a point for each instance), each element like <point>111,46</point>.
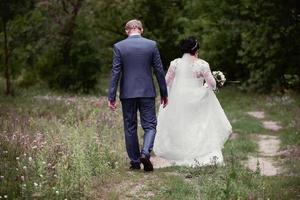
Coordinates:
<point>193,127</point>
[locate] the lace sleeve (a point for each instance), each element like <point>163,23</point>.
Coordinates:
<point>207,75</point>
<point>171,73</point>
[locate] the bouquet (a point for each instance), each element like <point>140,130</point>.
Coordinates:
<point>219,77</point>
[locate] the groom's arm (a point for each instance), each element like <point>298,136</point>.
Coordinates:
<point>115,74</point>
<point>159,73</point>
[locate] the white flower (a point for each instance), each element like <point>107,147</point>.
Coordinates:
<point>41,175</point>
<point>30,159</point>
<point>5,196</point>
<point>219,77</point>
<point>222,77</point>
<point>1,177</point>
<point>17,158</point>
<point>24,167</point>
<point>24,185</point>
<point>22,178</point>
<point>57,192</point>
<point>35,184</point>
<point>44,162</point>
<point>0,197</point>
<point>55,176</point>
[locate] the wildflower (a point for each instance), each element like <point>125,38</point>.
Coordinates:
<point>35,184</point>
<point>44,162</point>
<point>0,197</point>
<point>5,196</point>
<point>41,175</point>
<point>55,175</point>
<point>25,154</point>
<point>24,185</point>
<point>1,177</point>
<point>17,169</point>
<point>5,152</point>
<point>22,178</point>
<point>30,159</point>
<point>17,158</point>
<point>24,167</point>
<point>57,192</point>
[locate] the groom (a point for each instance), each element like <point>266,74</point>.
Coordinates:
<point>134,59</point>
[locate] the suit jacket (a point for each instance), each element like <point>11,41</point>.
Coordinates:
<point>134,60</point>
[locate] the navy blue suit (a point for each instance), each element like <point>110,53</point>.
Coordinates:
<point>134,61</point>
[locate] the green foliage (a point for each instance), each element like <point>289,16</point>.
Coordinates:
<point>11,13</point>
<point>163,26</point>
<point>72,61</point>
<point>269,49</point>
<point>64,43</point>
<point>81,74</point>
<point>252,41</point>
<point>292,80</point>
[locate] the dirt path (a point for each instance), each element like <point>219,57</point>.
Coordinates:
<point>268,148</point>
<point>159,162</point>
<point>126,186</point>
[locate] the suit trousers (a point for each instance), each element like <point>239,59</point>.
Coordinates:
<point>146,108</point>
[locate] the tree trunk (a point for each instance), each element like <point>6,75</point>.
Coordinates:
<point>69,32</point>
<point>7,75</point>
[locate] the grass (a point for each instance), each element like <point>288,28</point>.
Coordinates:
<point>56,146</point>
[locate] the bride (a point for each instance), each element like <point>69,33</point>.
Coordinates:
<point>193,127</point>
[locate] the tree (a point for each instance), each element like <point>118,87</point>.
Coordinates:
<point>255,41</point>
<point>164,26</point>
<point>270,42</point>
<point>10,9</point>
<point>72,60</point>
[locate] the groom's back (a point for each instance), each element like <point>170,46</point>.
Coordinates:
<point>136,55</point>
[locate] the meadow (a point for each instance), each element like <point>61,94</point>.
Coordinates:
<point>56,145</point>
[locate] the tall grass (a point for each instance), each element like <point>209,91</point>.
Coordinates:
<point>61,146</point>
<point>51,148</point>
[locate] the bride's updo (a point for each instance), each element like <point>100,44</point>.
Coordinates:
<point>189,45</point>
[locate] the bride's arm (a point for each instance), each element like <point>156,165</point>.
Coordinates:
<point>209,78</point>
<point>170,74</point>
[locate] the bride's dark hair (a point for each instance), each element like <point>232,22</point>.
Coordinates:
<point>189,45</point>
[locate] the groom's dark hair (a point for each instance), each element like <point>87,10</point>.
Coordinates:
<point>189,45</point>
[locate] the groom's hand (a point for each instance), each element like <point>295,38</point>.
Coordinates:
<point>164,101</point>
<point>112,105</point>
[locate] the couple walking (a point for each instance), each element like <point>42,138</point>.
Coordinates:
<point>191,126</point>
